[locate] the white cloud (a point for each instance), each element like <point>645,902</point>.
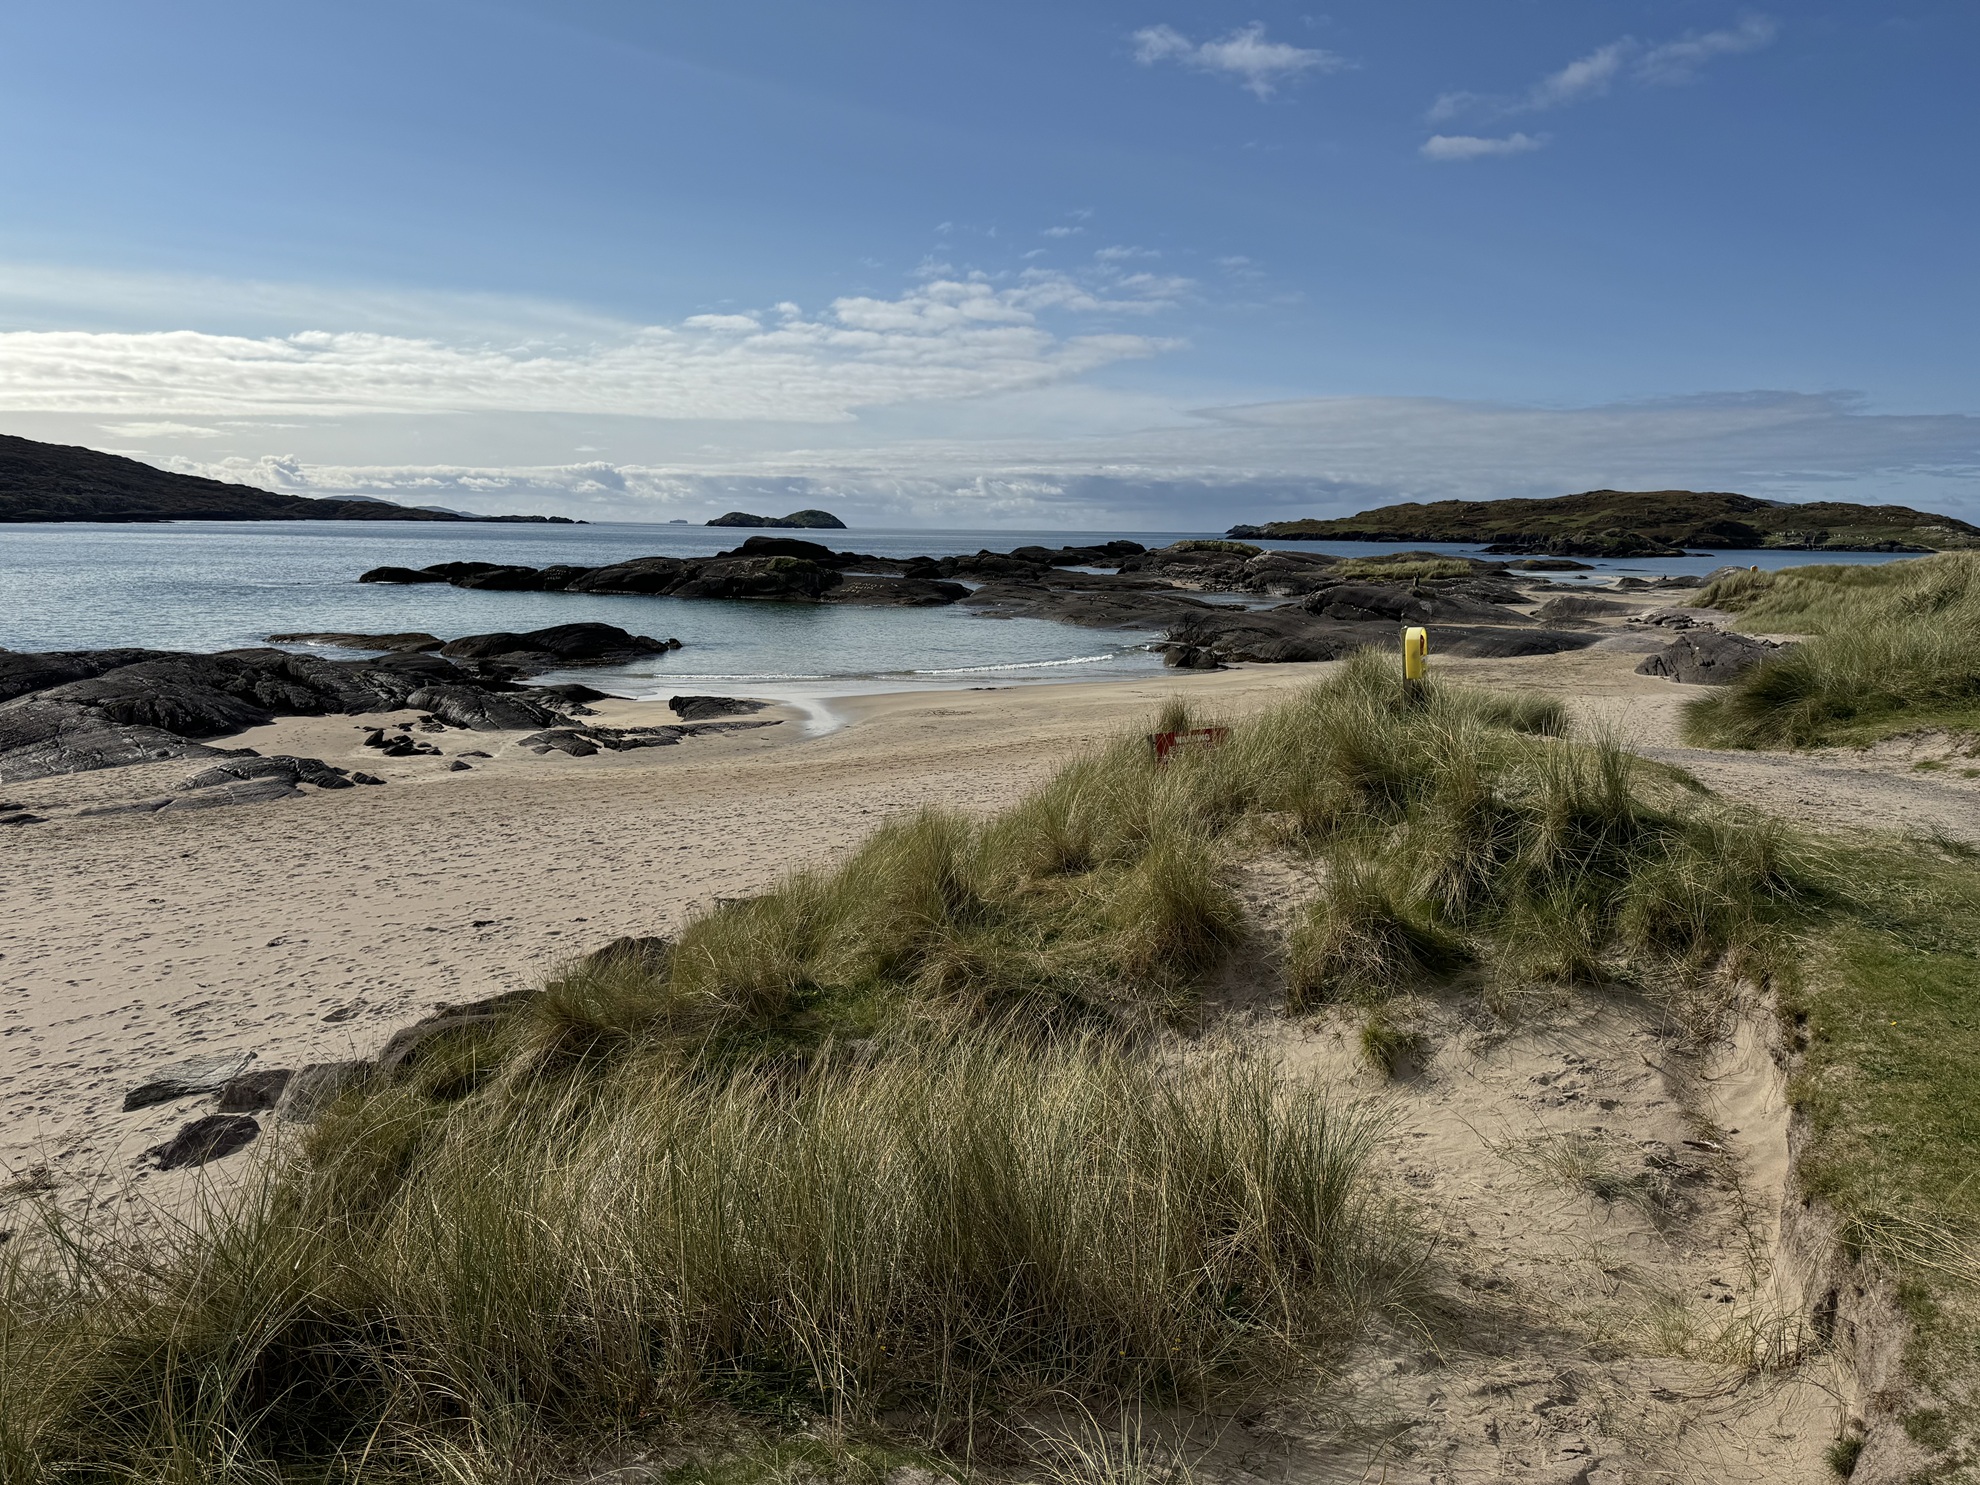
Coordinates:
<point>946,338</point>
<point>161,430</point>
<point>1679,61</point>
<point>1585,77</point>
<point>1593,75</point>
<point>1321,456</point>
<point>1452,147</point>
<point>1258,65</point>
<point>722,322</point>
<point>1062,231</point>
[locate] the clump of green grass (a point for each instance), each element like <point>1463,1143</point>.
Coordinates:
<point>1355,942</point>
<point>1390,1046</point>
<point>1206,544</point>
<point>1888,650</point>
<point>572,1258</point>
<point>1403,566</point>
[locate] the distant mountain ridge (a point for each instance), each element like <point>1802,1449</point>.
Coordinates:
<point>1625,523</point>
<point>64,482</point>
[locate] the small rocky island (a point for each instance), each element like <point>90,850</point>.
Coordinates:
<point>1639,523</point>
<point>797,520</point>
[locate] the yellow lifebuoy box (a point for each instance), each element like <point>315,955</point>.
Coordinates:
<point>1416,646</point>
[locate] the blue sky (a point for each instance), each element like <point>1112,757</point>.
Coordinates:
<point>1137,264</point>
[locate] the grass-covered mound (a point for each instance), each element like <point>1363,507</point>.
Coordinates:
<point>923,1135</point>
<point>1891,649</point>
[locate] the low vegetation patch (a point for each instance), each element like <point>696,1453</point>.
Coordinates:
<point>1404,566</point>
<point>1889,649</point>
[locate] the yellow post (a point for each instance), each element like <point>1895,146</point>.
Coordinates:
<point>1416,646</point>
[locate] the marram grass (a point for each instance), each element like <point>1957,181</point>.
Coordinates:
<point>898,1134</point>
<point>1889,648</point>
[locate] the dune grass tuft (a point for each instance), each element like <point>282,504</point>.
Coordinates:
<point>955,1222</point>
<point>1889,649</point>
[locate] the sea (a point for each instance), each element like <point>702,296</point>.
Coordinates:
<point>198,585</point>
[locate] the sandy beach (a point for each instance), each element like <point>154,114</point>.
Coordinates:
<point>308,929</point>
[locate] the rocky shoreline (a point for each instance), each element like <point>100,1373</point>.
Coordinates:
<point>1213,604</point>
<point>71,712</point>
<point>1331,605</point>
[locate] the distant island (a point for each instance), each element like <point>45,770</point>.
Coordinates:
<point>802,520</point>
<point>62,482</point>
<point>1639,523</point>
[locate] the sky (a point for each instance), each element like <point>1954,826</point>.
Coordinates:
<point>1110,264</point>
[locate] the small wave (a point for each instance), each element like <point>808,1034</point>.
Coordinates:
<point>1020,665</point>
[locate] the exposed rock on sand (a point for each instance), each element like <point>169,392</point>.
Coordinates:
<point>1706,657</point>
<point>707,708</point>
<point>1570,606</point>
<point>211,1138</point>
<point>78,711</point>
<point>188,1079</point>
<point>483,711</point>
<point>582,742</point>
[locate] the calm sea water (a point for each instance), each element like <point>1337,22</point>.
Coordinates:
<point>219,585</point>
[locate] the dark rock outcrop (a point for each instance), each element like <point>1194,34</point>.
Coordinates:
<point>77,712</point>
<point>407,1045</point>
<point>41,739</point>
<point>407,644</point>
<point>764,568</point>
<point>253,1092</point>
<point>289,770</point>
<point>212,1138</point>
<point>315,1087</point>
<point>188,1079</point>
<point>1572,606</point>
<point>1706,657</point>
<point>583,742</point>
<point>482,711</point>
<point>707,708</point>
<point>558,645</point>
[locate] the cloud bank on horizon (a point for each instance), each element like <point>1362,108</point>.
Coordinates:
<point>1317,457</point>
<point>1122,267</point>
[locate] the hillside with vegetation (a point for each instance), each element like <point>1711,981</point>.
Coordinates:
<point>1626,523</point>
<point>64,482</point>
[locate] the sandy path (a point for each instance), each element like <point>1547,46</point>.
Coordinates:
<point>127,942</point>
